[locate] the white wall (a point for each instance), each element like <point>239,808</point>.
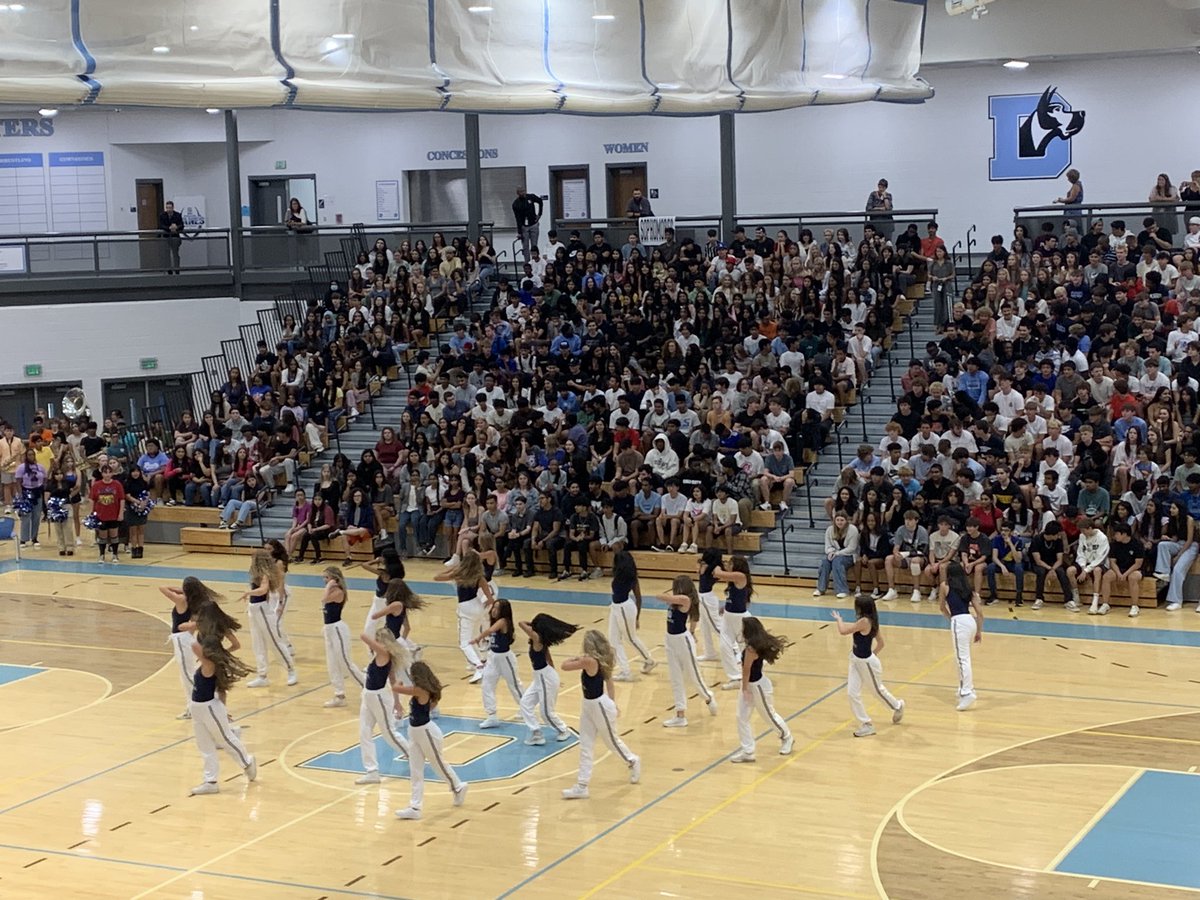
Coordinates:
<point>99,341</point>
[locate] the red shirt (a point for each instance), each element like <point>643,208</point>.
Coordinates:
<point>928,245</point>
<point>106,500</point>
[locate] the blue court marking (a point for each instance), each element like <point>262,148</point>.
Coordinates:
<point>9,674</point>
<point>507,759</point>
<point>515,590</point>
<point>657,800</point>
<point>1149,835</point>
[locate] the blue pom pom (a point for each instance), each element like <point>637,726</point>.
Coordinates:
<point>145,498</point>
<point>92,522</point>
<point>22,505</point>
<point>56,510</point>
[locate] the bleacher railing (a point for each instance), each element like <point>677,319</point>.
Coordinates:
<point>1171,216</point>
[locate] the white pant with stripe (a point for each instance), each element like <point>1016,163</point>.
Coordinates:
<point>710,623</point>
<point>542,697</point>
<point>265,636</point>
<point>682,667</point>
<point>472,615</point>
<point>622,629</point>
<point>210,723</point>
<point>760,697</point>
<point>279,604</point>
<point>426,746</point>
<point>376,711</point>
<point>867,671</point>
<point>500,666</point>
<point>598,718</point>
<point>185,659</point>
<point>962,630</point>
<point>371,625</point>
<point>731,644</point>
<point>337,657</point>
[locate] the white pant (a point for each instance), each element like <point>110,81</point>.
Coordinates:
<point>426,744</point>
<point>371,625</point>
<point>622,627</point>
<point>337,657</point>
<point>867,671</point>
<point>731,644</point>
<point>542,696</point>
<point>279,604</point>
<point>682,666</point>
<point>759,697</point>
<point>471,619</point>
<point>962,630</point>
<point>599,718</point>
<point>185,659</point>
<point>500,666</point>
<point>376,711</point>
<point>264,633</point>
<point>710,622</point>
<point>210,722</point>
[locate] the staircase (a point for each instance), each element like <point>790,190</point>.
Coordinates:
<point>805,536</point>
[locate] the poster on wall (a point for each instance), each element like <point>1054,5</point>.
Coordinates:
<point>387,201</point>
<point>652,229</point>
<point>1031,135</point>
<point>575,198</point>
<point>193,208</point>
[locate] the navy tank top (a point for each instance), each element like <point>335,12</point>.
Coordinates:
<point>253,599</point>
<point>593,685</point>
<point>862,645</point>
<point>418,713</point>
<point>204,687</point>
<point>755,669</point>
<point>395,622</point>
<point>178,618</point>
<point>381,586</point>
<point>488,571</point>
<point>538,658</point>
<point>958,605</point>
<point>621,590</point>
<point>707,581</point>
<point>332,612</point>
<point>377,675</point>
<point>736,598</point>
<point>501,642</point>
<point>466,592</point>
<point>676,620</point>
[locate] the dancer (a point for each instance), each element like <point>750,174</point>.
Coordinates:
<point>598,715</point>
<point>264,626</point>
<point>738,590</point>
<point>399,601</point>
<point>186,602</point>
<point>281,598</point>
<point>474,600</point>
<point>960,605</point>
<point>623,615</point>
<point>544,632</point>
<point>710,606</point>
<point>217,671</point>
<point>426,740</point>
<point>337,636</point>
<point>501,663</point>
<point>864,663</point>
<point>376,709</point>
<point>683,605</point>
<point>757,690</point>
<point>386,566</point>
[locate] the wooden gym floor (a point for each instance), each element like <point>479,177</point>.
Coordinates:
<point>1074,775</point>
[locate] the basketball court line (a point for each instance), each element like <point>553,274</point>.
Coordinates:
<point>806,889</point>
<point>1091,823</point>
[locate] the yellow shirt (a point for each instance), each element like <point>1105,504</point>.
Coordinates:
<point>45,458</point>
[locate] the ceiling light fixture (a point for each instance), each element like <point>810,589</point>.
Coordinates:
<point>343,36</point>
<point>48,112</point>
<point>834,76</point>
<point>161,49</point>
<point>603,17</point>
<point>1016,64</point>
<point>17,7</point>
<point>479,9</point>
<point>212,110</point>
<point>193,28</point>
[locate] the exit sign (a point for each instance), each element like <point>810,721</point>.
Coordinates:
<point>148,363</point>
<point>281,164</point>
<point>33,371</point>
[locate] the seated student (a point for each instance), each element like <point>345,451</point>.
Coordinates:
<point>670,518</point>
<point>725,519</point>
<point>1008,556</point>
<point>1048,556</point>
<point>974,551</point>
<point>1126,557</point>
<point>1091,562</point>
<point>910,544</point>
<point>876,546</point>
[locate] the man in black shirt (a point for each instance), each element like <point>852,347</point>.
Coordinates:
<point>281,458</point>
<point>547,532</point>
<point>527,210</point>
<point>170,226</point>
<point>1153,235</point>
<point>582,529</point>
<point>1048,554</point>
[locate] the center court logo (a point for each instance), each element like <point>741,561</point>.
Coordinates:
<point>1031,135</point>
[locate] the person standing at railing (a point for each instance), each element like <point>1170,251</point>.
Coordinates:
<point>527,210</point>
<point>1164,194</point>
<point>170,226</point>
<point>880,202</point>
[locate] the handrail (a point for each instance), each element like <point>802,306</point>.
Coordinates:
<point>1066,209</point>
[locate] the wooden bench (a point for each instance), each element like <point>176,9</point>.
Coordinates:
<point>214,540</point>
<point>186,515</point>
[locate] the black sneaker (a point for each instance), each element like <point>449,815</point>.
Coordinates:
<point>992,601</point>
<point>1019,602</point>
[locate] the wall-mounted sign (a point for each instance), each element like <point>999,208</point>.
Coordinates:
<point>1031,135</point>
<point>26,127</point>
<point>652,229</point>
<point>484,153</point>
<point>192,208</point>
<point>12,259</point>
<point>281,164</point>
<point>635,147</point>
<point>33,370</point>
<point>387,201</point>
<point>148,363</point>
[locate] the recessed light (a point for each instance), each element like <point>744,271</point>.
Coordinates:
<point>161,49</point>
<point>1016,64</point>
<point>212,110</point>
<point>834,76</point>
<point>343,36</point>
<point>193,28</point>
<point>479,9</point>
<point>48,113</point>
<point>603,17</point>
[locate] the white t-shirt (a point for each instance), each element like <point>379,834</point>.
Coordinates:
<point>822,403</point>
<point>674,506</point>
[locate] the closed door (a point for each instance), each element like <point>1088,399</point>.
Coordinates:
<point>268,200</point>
<point>623,180</point>
<point>149,194</point>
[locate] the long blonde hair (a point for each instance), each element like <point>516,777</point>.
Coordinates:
<point>263,569</point>
<point>469,570</point>
<point>598,648</point>
<point>334,574</point>
<point>401,658</point>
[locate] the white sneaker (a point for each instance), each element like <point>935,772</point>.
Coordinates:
<point>1038,603</point>
<point>224,525</point>
<point>336,701</point>
<point>783,507</point>
<point>293,678</point>
<point>648,666</point>
<point>1104,608</point>
<point>933,595</point>
<point>764,506</point>
<point>368,778</point>
<point>208,787</point>
<point>898,714</point>
<point>251,769</point>
<point>841,595</point>
<point>965,703</point>
<point>692,548</point>
<point>186,714</point>
<point>818,593</point>
<point>622,676</point>
<point>452,561</point>
<point>536,739</point>
<point>578,792</point>
<point>1164,577</point>
<point>37,545</point>
<point>732,685</point>
<point>78,542</point>
<point>1134,611</point>
<point>865,730</point>
<point>476,677</point>
<point>490,722</point>
<point>683,548</point>
<point>675,722</point>
<point>712,706</point>
<point>408,813</point>
<point>1094,609</point>
<point>257,683</point>
<point>707,657</point>
<point>461,794</point>
<point>1172,607</point>
<point>742,757</point>
<point>290,489</point>
<point>1071,606</point>
<point>916,597</point>
<point>785,746</point>
<point>890,595</point>
<point>635,770</point>
<point>562,736</point>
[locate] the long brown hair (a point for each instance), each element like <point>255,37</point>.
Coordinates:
<point>768,646</point>
<point>398,590</point>
<point>422,676</point>
<point>229,669</point>
<point>685,586</point>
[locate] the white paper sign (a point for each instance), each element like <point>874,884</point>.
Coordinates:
<point>387,201</point>
<point>652,229</point>
<point>12,259</point>
<point>575,199</point>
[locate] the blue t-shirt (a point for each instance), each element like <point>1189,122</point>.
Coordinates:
<point>647,505</point>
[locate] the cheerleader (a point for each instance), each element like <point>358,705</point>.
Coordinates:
<point>623,615</point>
<point>218,669</point>
<point>264,625</point>
<point>337,636</point>
<point>185,605</point>
<point>376,710</point>
<point>58,513</point>
<point>710,606</point>
<point>598,716</point>
<point>738,590</point>
<point>426,743</point>
<point>960,605</point>
<point>683,605</point>
<point>475,598</point>
<point>500,663</point>
<point>757,691</point>
<point>400,602</point>
<point>384,567</point>
<point>865,665</point>
<point>544,632</point>
<point>281,598</point>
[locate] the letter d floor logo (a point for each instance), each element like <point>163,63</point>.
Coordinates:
<point>1031,135</point>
